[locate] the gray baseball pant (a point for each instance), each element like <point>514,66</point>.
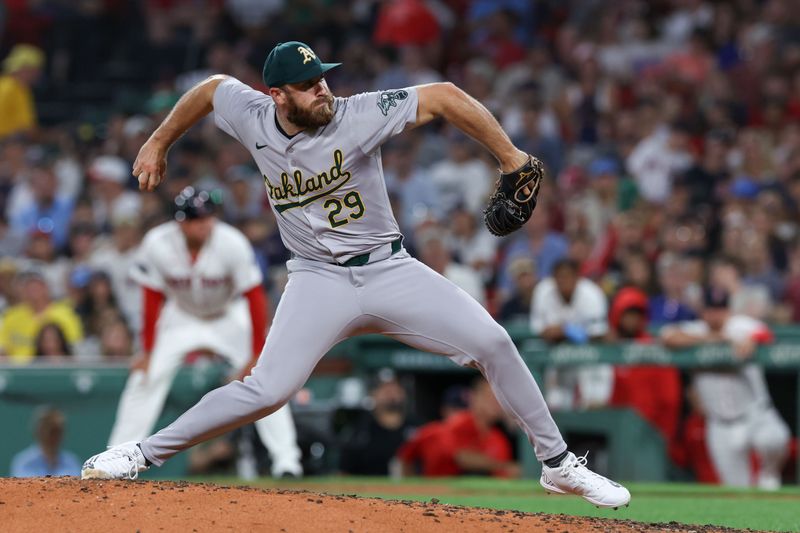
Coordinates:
<point>324,304</point>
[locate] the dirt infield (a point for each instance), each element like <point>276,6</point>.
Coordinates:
<point>68,504</point>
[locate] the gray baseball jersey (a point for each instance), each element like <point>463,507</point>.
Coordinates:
<point>327,190</point>
<point>326,185</point>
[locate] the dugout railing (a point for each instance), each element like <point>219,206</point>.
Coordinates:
<point>88,393</point>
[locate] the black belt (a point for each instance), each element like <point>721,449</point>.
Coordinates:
<point>363,259</point>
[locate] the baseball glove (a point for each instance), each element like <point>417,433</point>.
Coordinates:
<point>514,199</point>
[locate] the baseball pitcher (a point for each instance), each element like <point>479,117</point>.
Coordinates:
<point>202,291</point>
<point>320,159</point>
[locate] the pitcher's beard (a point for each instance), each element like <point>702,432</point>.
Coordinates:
<point>317,116</point>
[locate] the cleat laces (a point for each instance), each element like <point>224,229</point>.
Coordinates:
<point>133,470</point>
<point>578,472</point>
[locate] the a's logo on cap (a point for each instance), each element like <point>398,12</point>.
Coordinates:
<point>308,55</point>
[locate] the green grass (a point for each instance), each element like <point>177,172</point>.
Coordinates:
<point>685,503</point>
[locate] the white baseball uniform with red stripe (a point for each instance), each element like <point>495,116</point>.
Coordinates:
<point>203,309</point>
<point>739,413</point>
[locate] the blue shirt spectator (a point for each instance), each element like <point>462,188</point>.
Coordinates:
<point>53,219</point>
<point>45,210</point>
<point>45,457</point>
<point>32,462</point>
<point>665,310</point>
<point>671,304</point>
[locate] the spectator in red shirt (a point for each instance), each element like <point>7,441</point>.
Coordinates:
<point>465,443</point>
<point>406,22</point>
<point>653,391</point>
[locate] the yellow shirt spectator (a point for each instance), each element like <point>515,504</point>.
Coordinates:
<point>17,111</point>
<point>21,68</point>
<point>20,327</point>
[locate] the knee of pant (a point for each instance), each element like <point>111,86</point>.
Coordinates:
<point>269,393</point>
<point>493,344</point>
<point>734,439</point>
<point>771,440</point>
<point>271,402</point>
<point>272,396</point>
<point>271,387</point>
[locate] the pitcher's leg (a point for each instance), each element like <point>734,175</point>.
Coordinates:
<point>276,431</point>
<point>279,436</point>
<point>423,309</point>
<point>315,312</point>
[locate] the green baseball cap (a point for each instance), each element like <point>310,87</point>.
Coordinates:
<point>293,62</point>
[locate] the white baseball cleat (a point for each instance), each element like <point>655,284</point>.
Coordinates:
<point>118,462</point>
<point>572,477</point>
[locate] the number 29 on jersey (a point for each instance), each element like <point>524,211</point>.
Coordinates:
<point>341,211</point>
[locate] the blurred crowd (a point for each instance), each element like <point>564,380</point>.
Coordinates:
<point>669,129</point>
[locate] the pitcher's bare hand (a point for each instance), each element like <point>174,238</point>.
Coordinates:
<point>150,166</point>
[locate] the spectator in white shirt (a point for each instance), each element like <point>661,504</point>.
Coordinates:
<point>569,308</point>
<point>656,160</point>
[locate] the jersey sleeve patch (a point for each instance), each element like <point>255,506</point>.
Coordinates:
<point>388,100</point>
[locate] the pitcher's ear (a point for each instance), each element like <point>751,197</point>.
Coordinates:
<point>278,94</point>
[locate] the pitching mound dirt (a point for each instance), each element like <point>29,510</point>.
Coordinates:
<point>69,504</point>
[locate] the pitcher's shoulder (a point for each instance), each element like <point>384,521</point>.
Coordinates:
<point>355,103</point>
<point>232,92</point>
